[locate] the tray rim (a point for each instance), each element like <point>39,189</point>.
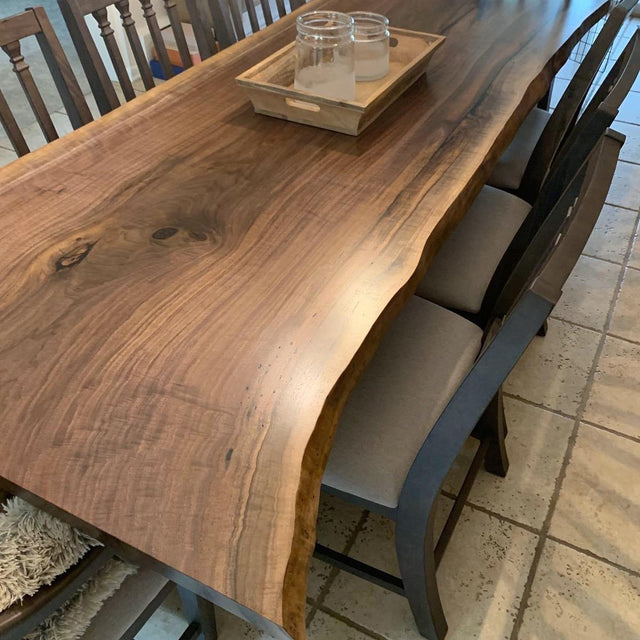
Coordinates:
<point>247,78</point>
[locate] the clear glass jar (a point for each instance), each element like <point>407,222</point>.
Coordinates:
<point>325,58</point>
<point>371,31</point>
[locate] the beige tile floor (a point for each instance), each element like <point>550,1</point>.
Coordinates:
<point>552,552</point>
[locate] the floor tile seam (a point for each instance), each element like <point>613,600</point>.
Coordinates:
<point>623,121</point>
<point>586,392</point>
<point>589,255</point>
<point>617,336</point>
<point>351,623</point>
<point>625,160</point>
<point>499,516</point>
<point>621,206</point>
<point>614,432</point>
<point>566,416</point>
<point>573,323</point>
<point>335,570</point>
<point>495,514</point>
<point>538,405</point>
<point>595,556</point>
<point>599,259</point>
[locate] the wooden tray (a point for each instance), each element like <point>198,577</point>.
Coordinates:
<point>270,86</point>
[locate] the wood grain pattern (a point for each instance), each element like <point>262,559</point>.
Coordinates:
<point>191,290</point>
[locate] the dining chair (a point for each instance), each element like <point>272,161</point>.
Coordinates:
<point>34,22</point>
<point>525,164</point>
<point>470,269</point>
<point>426,390</point>
<point>74,12</point>
<point>59,583</point>
<point>238,23</point>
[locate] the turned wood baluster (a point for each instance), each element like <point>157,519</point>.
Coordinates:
<point>222,23</point>
<point>282,11</point>
<point>106,31</point>
<point>38,106</point>
<point>156,36</point>
<point>172,11</point>
<point>237,18</point>
<point>253,16</point>
<point>266,10</point>
<point>201,27</point>
<point>136,46</point>
<point>11,127</point>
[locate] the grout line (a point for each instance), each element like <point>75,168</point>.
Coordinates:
<point>350,623</point>
<point>586,392</point>
<point>613,262</point>
<point>627,340</point>
<point>593,555</point>
<point>574,323</point>
<point>334,570</point>
<point>499,516</point>
<point>538,405</point>
<point>628,161</point>
<point>595,425</point>
<point>621,206</point>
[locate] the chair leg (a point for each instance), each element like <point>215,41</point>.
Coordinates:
<point>201,612</point>
<point>493,424</point>
<point>544,329</point>
<point>415,549</point>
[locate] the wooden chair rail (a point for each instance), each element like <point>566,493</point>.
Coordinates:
<point>15,28</point>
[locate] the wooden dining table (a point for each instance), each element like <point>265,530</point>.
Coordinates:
<point>190,291</point>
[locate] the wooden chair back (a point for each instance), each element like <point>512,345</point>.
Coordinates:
<point>562,184</point>
<point>228,15</point>
<point>553,251</point>
<point>34,22</point>
<point>566,112</point>
<point>74,12</point>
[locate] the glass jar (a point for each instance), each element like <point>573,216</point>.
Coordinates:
<point>371,31</point>
<point>325,59</point>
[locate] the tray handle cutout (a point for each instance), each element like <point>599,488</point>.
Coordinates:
<point>301,104</point>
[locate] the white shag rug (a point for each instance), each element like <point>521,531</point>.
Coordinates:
<point>35,548</point>
<point>73,618</point>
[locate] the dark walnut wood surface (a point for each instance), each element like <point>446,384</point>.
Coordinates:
<point>189,291</point>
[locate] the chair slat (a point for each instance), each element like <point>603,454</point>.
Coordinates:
<point>18,27</point>
<point>158,43</point>
<point>11,127</point>
<point>72,97</point>
<point>237,19</point>
<point>171,8</point>
<point>34,96</point>
<point>134,42</point>
<point>266,11</point>
<point>201,28</point>
<point>253,16</point>
<point>296,4</point>
<point>106,31</point>
<point>222,23</point>
<point>92,64</point>
<point>282,11</point>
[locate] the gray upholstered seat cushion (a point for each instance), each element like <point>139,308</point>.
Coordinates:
<point>461,271</point>
<point>511,166</point>
<point>420,363</point>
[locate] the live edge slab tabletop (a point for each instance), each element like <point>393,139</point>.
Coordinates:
<point>189,291</point>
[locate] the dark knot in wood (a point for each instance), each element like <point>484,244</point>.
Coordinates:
<point>164,233</point>
<point>74,257</point>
